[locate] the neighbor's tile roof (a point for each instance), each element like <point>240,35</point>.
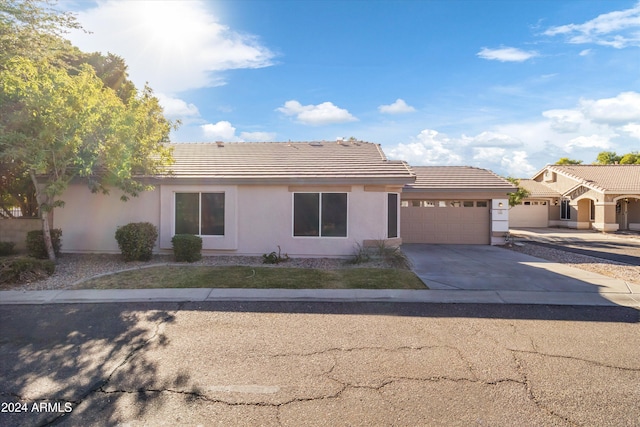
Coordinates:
<point>537,189</point>
<point>346,162</point>
<point>611,178</point>
<point>456,178</point>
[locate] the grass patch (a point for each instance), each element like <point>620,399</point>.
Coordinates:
<point>256,277</point>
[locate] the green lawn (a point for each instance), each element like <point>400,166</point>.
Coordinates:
<point>256,277</point>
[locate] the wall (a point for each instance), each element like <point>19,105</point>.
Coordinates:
<point>258,218</point>
<point>16,229</point>
<point>89,221</point>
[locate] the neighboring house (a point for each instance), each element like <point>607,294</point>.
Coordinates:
<point>602,197</point>
<point>311,199</point>
<point>455,205</point>
<point>539,209</point>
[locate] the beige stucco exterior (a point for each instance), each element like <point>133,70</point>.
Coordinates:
<point>589,206</point>
<point>258,218</point>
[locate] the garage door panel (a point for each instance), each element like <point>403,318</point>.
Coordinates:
<point>445,225</point>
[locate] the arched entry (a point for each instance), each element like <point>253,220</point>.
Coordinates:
<point>586,213</point>
<point>628,213</point>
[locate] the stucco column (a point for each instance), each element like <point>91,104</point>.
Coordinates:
<point>605,217</point>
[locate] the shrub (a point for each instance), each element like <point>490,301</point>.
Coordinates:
<point>25,269</point>
<point>274,258</point>
<point>35,243</point>
<point>187,247</point>
<point>136,240</point>
<point>6,248</point>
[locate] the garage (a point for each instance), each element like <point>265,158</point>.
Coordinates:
<point>453,205</point>
<point>446,222</point>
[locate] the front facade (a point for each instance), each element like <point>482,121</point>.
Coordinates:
<point>311,199</point>
<point>601,197</point>
<point>455,205</point>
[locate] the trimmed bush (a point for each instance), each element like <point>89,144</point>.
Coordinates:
<point>6,248</point>
<point>25,269</point>
<point>35,243</point>
<point>187,247</point>
<point>136,240</point>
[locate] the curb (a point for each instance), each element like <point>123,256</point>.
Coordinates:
<point>87,296</point>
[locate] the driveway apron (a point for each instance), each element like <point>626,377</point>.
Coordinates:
<point>479,267</point>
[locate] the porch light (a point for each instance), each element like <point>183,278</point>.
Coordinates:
<point>500,204</point>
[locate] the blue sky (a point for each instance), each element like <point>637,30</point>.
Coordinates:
<point>504,85</point>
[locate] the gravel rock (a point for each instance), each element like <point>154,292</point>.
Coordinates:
<point>626,272</point>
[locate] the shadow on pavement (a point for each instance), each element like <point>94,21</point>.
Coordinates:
<point>54,357</point>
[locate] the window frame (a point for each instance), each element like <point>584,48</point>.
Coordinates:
<point>320,234</point>
<point>565,209</point>
<point>200,193</point>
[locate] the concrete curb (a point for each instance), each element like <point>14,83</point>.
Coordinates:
<point>321,295</point>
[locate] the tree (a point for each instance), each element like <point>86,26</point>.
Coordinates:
<point>632,158</point>
<point>521,193</point>
<point>568,161</point>
<point>63,126</point>
<point>607,158</point>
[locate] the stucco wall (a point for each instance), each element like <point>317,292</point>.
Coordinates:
<point>15,230</point>
<point>89,221</point>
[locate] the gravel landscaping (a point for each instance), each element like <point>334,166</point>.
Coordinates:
<point>626,272</point>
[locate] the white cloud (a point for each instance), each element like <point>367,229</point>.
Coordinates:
<point>174,45</point>
<point>398,107</point>
<point>176,107</point>
<point>258,136</point>
<point>564,121</point>
<point>621,109</point>
<point>221,131</point>
<point>632,129</point>
<point>585,52</point>
<point>226,132</point>
<point>592,141</point>
<point>321,114</point>
<point>506,54</point>
<point>618,29</point>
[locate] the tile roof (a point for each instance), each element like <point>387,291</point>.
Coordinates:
<point>537,189</point>
<point>300,162</point>
<point>609,178</point>
<point>456,178</point>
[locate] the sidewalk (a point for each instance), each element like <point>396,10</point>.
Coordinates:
<point>631,298</point>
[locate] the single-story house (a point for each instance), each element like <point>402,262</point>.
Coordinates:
<point>311,199</point>
<point>455,205</point>
<point>602,197</point>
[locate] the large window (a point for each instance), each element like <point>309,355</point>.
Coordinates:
<point>200,213</point>
<point>392,215</point>
<point>320,214</point>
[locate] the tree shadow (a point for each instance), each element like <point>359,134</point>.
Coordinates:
<point>54,358</point>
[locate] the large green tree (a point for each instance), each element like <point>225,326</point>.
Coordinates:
<point>62,127</point>
<point>67,115</point>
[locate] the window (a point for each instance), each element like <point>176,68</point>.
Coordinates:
<point>404,204</point>
<point>482,204</point>
<point>565,210</point>
<point>592,210</point>
<point>200,213</point>
<point>392,215</point>
<point>320,214</point>
<point>467,203</point>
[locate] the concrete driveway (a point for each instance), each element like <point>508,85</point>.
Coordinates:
<point>491,268</point>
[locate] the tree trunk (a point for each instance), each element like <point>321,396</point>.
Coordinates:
<point>44,215</point>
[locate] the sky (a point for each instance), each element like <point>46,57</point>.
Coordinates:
<point>506,85</point>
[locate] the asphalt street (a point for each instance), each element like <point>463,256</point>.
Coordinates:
<point>318,364</point>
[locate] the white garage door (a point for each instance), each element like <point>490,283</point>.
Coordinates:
<point>446,222</point>
<point>533,214</point>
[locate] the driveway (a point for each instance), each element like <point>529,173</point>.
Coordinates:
<point>613,246</point>
<point>491,268</point>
